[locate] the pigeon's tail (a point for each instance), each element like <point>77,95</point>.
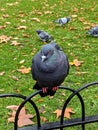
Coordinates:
<point>89,32</point>
<point>49,92</point>
<point>56,21</point>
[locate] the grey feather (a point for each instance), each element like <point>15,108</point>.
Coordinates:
<point>53,70</point>
<point>93,31</point>
<point>62,21</point>
<point>44,36</point>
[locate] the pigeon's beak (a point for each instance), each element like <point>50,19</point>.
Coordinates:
<point>43,58</point>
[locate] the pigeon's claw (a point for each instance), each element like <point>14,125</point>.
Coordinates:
<point>55,88</point>
<point>44,90</point>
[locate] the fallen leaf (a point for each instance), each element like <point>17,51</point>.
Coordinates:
<point>72,28</point>
<point>4,39</point>
<point>67,113</point>
<point>42,110</point>
<point>22,61</point>
<point>12,107</point>
<point>2,27</point>
<point>36,19</point>
<point>24,121</point>
<point>14,78</point>
<point>5,16</point>
<point>74,16</point>
<point>43,119</point>
<point>76,62</point>
<point>21,27</point>
<point>23,118</point>
<point>87,28</point>
<point>24,70</point>
<point>7,23</point>
<point>1,90</point>
<point>15,43</point>
<point>26,35</point>
<point>47,12</point>
<point>2,73</point>
<point>40,100</point>
<point>58,113</point>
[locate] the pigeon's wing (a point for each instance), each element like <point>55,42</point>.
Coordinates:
<point>33,70</point>
<point>63,20</point>
<point>93,31</point>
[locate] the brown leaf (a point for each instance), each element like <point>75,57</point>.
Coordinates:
<point>11,119</point>
<point>43,119</point>
<point>67,113</point>
<point>23,118</point>
<point>42,110</point>
<point>25,121</point>
<point>2,27</point>
<point>24,70</point>
<point>26,35</point>
<point>58,113</point>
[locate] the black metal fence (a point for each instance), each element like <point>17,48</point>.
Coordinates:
<point>82,121</point>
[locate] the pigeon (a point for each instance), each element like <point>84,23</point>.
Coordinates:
<point>93,31</point>
<point>62,21</point>
<point>49,68</point>
<point>44,36</point>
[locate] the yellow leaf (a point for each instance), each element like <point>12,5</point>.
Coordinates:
<point>2,73</point>
<point>74,16</point>
<point>22,61</point>
<point>24,70</point>
<point>76,62</point>
<point>21,27</point>
<point>15,43</point>
<point>36,19</point>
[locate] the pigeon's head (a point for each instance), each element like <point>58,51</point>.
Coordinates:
<point>38,31</point>
<point>68,19</point>
<point>47,51</point>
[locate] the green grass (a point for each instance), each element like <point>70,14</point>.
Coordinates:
<point>75,43</point>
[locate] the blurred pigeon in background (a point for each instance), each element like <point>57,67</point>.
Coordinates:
<point>49,68</point>
<point>62,21</point>
<point>93,31</point>
<point>44,36</point>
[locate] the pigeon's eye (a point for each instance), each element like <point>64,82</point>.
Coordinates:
<point>49,52</point>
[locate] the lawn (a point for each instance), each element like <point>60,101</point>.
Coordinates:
<point>19,43</point>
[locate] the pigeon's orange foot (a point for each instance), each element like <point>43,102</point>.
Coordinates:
<point>44,90</point>
<point>55,88</point>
